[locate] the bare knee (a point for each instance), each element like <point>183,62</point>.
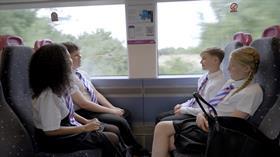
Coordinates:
<point>165,127</point>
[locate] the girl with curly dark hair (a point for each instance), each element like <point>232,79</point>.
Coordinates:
<point>58,127</point>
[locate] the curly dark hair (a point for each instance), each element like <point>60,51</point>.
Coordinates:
<point>50,68</point>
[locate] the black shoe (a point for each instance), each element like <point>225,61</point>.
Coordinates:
<point>141,152</point>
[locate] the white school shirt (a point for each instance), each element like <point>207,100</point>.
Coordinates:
<point>49,110</point>
<point>78,83</point>
<point>247,100</point>
<point>215,82</point>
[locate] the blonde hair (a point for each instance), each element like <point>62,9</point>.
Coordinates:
<point>247,56</point>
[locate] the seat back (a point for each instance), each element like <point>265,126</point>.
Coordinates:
<point>268,75</point>
<point>15,141</point>
<point>14,78</point>
<point>229,47</point>
<point>272,31</point>
<point>41,42</point>
<point>15,82</point>
<point>10,40</point>
<point>244,38</point>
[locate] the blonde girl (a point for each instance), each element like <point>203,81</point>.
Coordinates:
<point>242,101</point>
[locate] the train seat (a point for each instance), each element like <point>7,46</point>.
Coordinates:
<point>15,141</point>
<point>15,84</point>
<point>41,42</point>
<point>10,40</point>
<point>267,116</point>
<point>272,31</point>
<point>228,48</point>
<point>244,38</point>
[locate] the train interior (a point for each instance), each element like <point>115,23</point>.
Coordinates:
<point>144,97</point>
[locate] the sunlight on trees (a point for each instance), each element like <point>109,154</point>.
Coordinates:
<point>104,55</point>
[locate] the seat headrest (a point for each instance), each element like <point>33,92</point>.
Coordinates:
<point>10,40</point>
<point>272,31</point>
<point>244,38</point>
<point>41,42</point>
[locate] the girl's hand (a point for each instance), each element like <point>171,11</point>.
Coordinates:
<point>177,107</point>
<point>92,120</point>
<point>93,125</point>
<point>202,122</point>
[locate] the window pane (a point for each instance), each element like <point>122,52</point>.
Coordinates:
<point>98,30</point>
<point>186,28</point>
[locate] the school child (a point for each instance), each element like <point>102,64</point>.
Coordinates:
<point>239,97</point>
<point>208,85</point>
<point>58,127</point>
<point>95,105</point>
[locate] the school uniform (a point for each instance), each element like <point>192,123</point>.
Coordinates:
<point>215,82</point>
<point>50,112</point>
<point>226,102</point>
<point>207,90</point>
<point>247,100</point>
<point>87,88</point>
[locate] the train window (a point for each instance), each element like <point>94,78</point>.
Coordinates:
<point>187,27</point>
<point>179,36</point>
<point>184,29</point>
<point>99,30</point>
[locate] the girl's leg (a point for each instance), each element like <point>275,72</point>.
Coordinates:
<point>110,144</point>
<point>125,132</point>
<point>171,143</point>
<point>111,128</point>
<point>163,132</point>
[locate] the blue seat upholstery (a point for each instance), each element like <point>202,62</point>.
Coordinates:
<point>15,83</point>
<point>228,48</point>
<point>14,78</point>
<point>15,140</point>
<point>268,75</point>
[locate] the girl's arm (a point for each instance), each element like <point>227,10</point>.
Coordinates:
<point>68,130</point>
<point>240,114</point>
<point>202,122</point>
<point>81,119</point>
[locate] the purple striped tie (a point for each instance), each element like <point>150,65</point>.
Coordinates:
<point>70,106</point>
<point>199,89</point>
<point>221,95</point>
<point>87,85</point>
<point>202,85</point>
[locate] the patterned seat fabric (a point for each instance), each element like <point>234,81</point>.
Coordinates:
<point>41,42</point>
<point>268,77</point>
<point>10,40</point>
<point>272,31</point>
<point>228,49</point>
<point>244,38</point>
<point>15,141</point>
<point>15,83</point>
